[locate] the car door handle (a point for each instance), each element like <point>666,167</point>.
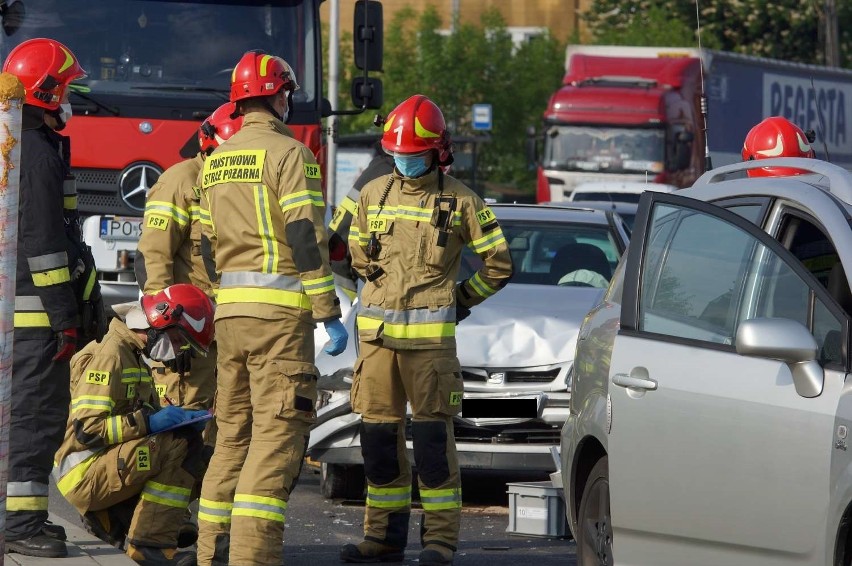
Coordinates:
<point>625,380</point>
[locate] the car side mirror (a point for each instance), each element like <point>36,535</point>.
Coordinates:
<point>368,35</point>
<point>788,341</point>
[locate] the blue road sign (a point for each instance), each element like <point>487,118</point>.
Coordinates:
<point>481,116</point>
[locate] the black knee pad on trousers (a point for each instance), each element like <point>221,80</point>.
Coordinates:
<point>221,550</point>
<point>193,462</point>
<point>430,452</point>
<point>378,447</point>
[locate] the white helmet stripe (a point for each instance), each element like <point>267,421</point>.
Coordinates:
<point>775,151</point>
<point>804,146</point>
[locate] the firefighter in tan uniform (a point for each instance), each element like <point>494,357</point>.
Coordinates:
<point>262,190</point>
<point>120,465</point>
<point>406,242</point>
<point>173,250</point>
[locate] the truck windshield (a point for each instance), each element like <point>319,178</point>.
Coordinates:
<point>600,148</point>
<point>174,54</point>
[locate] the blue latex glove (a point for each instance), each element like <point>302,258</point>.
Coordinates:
<point>199,426</point>
<point>338,337</point>
<point>166,417</point>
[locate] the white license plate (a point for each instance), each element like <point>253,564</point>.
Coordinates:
<point>121,228</point>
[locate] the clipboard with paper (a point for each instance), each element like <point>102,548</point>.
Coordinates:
<point>196,419</point>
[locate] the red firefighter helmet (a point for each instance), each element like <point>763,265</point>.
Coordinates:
<point>185,307</point>
<point>776,137</point>
<point>218,127</point>
<point>260,74</point>
<point>415,126</point>
<point>45,67</point>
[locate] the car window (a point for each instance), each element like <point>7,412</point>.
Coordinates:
<point>751,212</point>
<point>702,276</point>
<point>545,253</point>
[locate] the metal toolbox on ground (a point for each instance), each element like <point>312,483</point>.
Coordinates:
<point>536,508</point>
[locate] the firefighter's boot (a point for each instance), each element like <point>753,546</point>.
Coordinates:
<point>105,526</point>
<point>368,551</point>
<point>436,555</point>
<point>151,556</point>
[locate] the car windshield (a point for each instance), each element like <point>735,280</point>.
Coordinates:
<point>550,253</point>
<point>589,148</point>
<point>167,48</point>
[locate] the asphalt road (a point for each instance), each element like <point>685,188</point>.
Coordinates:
<point>317,527</point>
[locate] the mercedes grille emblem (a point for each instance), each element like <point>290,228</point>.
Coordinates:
<point>135,183</point>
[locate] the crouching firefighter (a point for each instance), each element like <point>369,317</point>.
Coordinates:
<point>126,465</point>
<point>406,241</point>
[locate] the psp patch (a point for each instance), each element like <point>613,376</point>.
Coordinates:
<point>158,222</point>
<point>96,377</point>
<point>455,398</point>
<point>484,216</point>
<point>143,459</point>
<point>312,171</point>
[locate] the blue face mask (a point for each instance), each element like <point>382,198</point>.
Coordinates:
<point>411,167</point>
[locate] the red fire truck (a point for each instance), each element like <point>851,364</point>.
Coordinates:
<point>156,69</point>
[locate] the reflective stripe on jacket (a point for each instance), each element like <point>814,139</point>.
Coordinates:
<point>112,394</point>
<point>171,232</point>
<point>262,192</point>
<point>409,298</point>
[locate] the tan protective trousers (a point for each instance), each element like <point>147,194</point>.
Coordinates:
<point>265,401</point>
<point>151,468</point>
<point>431,381</point>
<point>194,389</point>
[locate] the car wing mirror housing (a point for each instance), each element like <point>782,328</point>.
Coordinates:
<point>788,341</point>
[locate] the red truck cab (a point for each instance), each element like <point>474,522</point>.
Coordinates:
<point>617,117</point>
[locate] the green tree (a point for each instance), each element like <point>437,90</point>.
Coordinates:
<point>790,30</point>
<point>475,64</point>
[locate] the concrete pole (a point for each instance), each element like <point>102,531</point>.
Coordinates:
<point>333,79</point>
<point>11,98</point>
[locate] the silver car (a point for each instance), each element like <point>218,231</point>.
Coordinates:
<point>516,349</point>
<point>710,415</point>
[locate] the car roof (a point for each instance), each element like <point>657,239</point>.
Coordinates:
<point>622,187</point>
<point>823,176</point>
<point>619,206</point>
<point>550,213</point>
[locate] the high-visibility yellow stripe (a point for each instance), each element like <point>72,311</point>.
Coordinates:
<point>388,497</point>
<point>269,296</point>
<point>265,230</point>
<point>52,277</point>
<point>31,320</point>
<point>428,330</point>
<point>90,284</point>
<point>260,507</point>
<point>368,323</point>
<point>301,198</point>
<point>75,476</point>
<point>69,203</point>
<point>214,511</point>
<point>163,500</point>
<point>319,286</point>
<point>440,499</point>
<point>115,430</point>
<point>492,239</point>
<point>481,287</point>
<point>29,503</point>
<point>169,209</point>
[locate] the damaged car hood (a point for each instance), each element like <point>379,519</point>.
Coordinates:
<point>525,325</point>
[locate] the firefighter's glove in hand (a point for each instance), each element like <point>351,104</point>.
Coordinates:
<point>462,312</point>
<point>338,337</point>
<point>66,345</point>
<point>182,361</point>
<point>167,417</point>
